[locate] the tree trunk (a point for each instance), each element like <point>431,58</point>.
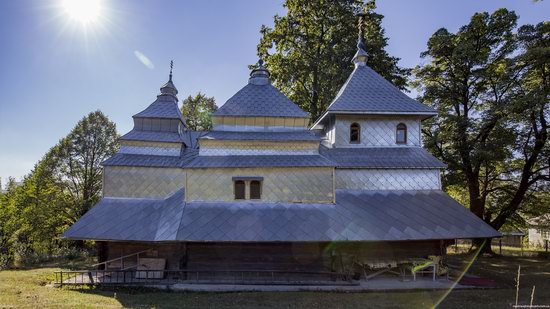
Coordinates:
<point>484,245</point>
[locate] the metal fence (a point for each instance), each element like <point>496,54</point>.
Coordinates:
<point>166,277</point>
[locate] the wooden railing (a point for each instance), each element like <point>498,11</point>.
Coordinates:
<point>166,277</point>
<point>121,258</point>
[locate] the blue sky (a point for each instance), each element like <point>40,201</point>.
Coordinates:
<point>53,71</point>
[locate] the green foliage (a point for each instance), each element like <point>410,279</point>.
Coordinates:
<point>63,185</point>
<point>489,83</point>
<point>309,51</point>
<point>197,112</point>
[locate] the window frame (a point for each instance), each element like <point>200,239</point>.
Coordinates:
<point>259,189</point>
<point>235,182</point>
<point>401,127</point>
<point>352,127</point>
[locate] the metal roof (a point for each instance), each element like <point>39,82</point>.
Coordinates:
<point>164,107</point>
<point>358,215</point>
<point>367,91</point>
<point>259,161</point>
<point>136,219</point>
<point>387,157</point>
<point>152,136</point>
<point>302,135</point>
<point>123,159</point>
<point>260,100</point>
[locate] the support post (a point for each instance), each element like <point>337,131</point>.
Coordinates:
<point>546,245</point>
<point>521,244</point>
<point>500,245</point>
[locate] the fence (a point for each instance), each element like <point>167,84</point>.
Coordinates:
<point>166,277</point>
<point>502,247</point>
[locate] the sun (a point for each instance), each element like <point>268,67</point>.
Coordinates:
<point>83,11</point>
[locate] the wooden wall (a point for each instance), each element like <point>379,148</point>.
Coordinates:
<point>273,256</point>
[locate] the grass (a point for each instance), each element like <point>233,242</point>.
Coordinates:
<point>24,288</point>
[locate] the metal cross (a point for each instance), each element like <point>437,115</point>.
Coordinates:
<point>171,67</point>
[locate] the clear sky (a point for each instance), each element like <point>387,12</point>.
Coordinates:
<point>54,70</point>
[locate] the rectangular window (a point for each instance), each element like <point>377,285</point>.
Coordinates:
<point>255,190</point>
<point>240,189</point>
<point>254,187</point>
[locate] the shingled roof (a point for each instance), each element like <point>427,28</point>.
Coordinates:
<point>260,99</point>
<point>301,135</point>
<point>163,107</point>
<point>259,161</point>
<point>356,216</point>
<point>367,91</point>
<point>381,157</point>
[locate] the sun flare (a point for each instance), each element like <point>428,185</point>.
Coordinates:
<point>83,11</point>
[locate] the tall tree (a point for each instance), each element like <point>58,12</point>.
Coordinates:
<point>197,112</point>
<point>62,186</point>
<point>491,94</point>
<point>309,51</point>
<point>90,142</point>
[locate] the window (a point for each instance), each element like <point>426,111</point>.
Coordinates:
<point>401,134</point>
<point>240,189</point>
<point>254,185</point>
<point>255,190</point>
<point>355,133</point>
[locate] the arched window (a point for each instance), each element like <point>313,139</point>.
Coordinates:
<point>401,134</point>
<point>255,190</point>
<point>239,189</point>
<point>355,133</point>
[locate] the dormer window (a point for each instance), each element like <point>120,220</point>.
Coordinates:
<point>401,134</point>
<point>354,133</point>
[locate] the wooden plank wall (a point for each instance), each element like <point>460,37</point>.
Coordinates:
<point>274,256</point>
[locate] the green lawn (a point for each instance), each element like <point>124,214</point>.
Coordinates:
<point>27,288</point>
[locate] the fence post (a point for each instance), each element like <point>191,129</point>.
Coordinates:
<point>521,239</point>
<point>61,281</point>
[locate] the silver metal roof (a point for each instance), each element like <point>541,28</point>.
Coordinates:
<point>304,135</point>
<point>152,136</point>
<point>123,159</point>
<point>260,98</point>
<point>259,161</point>
<point>389,157</point>
<point>130,219</point>
<point>164,107</point>
<point>378,157</point>
<point>367,91</point>
<point>358,215</point>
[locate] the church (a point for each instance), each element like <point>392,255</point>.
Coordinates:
<point>268,190</point>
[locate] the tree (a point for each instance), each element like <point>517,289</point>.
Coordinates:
<point>309,51</point>
<point>93,140</point>
<point>491,94</point>
<point>197,112</point>
<point>62,186</point>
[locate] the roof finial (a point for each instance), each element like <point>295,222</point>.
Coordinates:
<point>169,88</point>
<point>171,67</point>
<point>360,58</point>
<point>259,75</point>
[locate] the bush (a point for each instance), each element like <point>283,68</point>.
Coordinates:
<point>5,261</point>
